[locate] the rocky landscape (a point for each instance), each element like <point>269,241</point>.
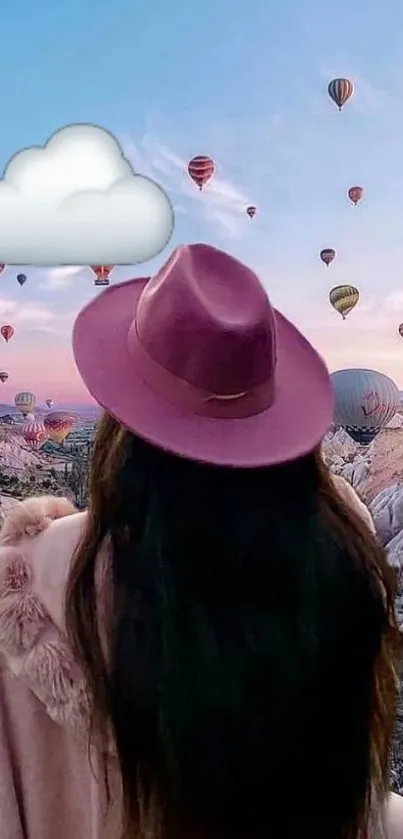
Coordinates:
<point>376,472</point>
<point>52,469</point>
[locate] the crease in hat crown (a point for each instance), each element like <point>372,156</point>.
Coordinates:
<point>206,319</point>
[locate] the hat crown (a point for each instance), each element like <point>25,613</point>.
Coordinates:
<point>206,319</point>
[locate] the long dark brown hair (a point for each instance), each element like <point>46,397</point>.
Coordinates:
<point>249,679</point>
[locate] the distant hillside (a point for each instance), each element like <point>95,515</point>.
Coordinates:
<point>9,419</point>
<point>87,412</point>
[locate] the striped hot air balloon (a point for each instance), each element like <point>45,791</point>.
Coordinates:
<point>58,424</point>
<point>25,402</point>
<point>251,211</point>
<point>3,376</point>
<point>340,91</point>
<point>102,274</point>
<point>343,298</point>
<point>327,255</point>
<point>34,433</point>
<point>200,169</point>
<point>364,402</point>
<point>355,194</point>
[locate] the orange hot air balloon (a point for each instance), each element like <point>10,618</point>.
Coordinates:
<point>58,425</point>
<point>200,169</point>
<point>355,194</point>
<point>327,256</point>
<point>7,332</point>
<point>251,211</point>
<point>34,433</point>
<point>102,273</point>
<point>3,376</point>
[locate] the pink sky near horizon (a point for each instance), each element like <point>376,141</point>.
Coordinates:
<point>39,357</point>
<point>59,380</point>
<point>49,370</point>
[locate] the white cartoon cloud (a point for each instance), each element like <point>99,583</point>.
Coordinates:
<point>77,201</point>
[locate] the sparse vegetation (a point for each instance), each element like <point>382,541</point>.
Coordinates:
<point>29,484</point>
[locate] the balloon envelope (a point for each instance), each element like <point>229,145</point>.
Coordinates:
<point>251,211</point>
<point>3,376</point>
<point>34,433</point>
<point>364,402</point>
<point>7,332</point>
<point>327,255</point>
<point>25,402</point>
<point>58,424</point>
<point>49,403</point>
<point>355,194</point>
<point>21,279</point>
<point>200,169</point>
<point>340,91</point>
<point>343,298</point>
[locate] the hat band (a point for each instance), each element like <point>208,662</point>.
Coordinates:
<point>195,400</point>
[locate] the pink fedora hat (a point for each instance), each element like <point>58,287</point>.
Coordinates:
<point>197,361</point>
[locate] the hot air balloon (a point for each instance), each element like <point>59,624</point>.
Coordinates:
<point>340,90</point>
<point>355,194</point>
<point>2,267</point>
<point>25,402</point>
<point>200,169</point>
<point>21,279</point>
<point>49,403</point>
<point>327,255</point>
<point>102,273</point>
<point>343,298</point>
<point>251,211</point>
<point>364,402</point>
<point>58,424</point>
<point>7,332</point>
<point>34,433</point>
<point>3,376</point>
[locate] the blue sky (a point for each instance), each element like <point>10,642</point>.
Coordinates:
<point>249,89</point>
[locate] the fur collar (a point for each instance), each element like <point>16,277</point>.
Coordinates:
<point>36,545</point>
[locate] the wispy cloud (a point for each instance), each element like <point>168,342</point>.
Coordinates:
<point>369,97</point>
<point>59,278</point>
<point>35,316</point>
<point>393,303</point>
<point>222,202</point>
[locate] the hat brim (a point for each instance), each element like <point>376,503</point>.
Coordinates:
<point>293,426</point>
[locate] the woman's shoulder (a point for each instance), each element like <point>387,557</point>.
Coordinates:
<point>394,817</point>
<point>37,542</point>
